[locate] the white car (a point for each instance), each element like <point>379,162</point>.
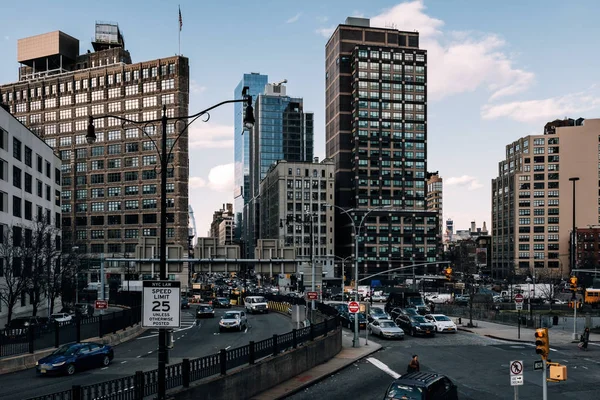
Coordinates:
<point>386,329</point>
<point>256,304</point>
<point>441,323</point>
<point>61,317</point>
<point>233,320</point>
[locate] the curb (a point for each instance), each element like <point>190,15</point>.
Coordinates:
<point>325,376</point>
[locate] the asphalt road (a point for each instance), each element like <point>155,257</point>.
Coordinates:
<point>195,338</point>
<point>479,366</point>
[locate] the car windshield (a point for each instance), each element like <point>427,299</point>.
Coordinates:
<point>57,316</point>
<point>441,318</point>
<point>231,316</point>
<point>403,392</point>
<point>258,300</point>
<point>222,300</point>
<point>387,324</point>
<point>377,311</point>
<point>65,351</point>
<point>418,318</point>
<point>204,308</point>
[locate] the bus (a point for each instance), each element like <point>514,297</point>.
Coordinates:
<point>592,297</point>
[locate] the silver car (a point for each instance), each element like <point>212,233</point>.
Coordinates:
<point>233,320</point>
<point>386,329</point>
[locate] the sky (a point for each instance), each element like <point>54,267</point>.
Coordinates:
<point>497,71</point>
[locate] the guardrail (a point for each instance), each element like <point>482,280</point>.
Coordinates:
<point>14,342</point>
<point>143,384</point>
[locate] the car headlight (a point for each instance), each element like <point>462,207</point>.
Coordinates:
<point>418,328</point>
<point>58,364</point>
<point>37,363</point>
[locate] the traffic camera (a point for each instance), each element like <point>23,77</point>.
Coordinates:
<point>573,282</point>
<point>542,342</point>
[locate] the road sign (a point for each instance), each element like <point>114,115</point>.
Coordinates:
<point>538,365</point>
<point>519,298</point>
<point>516,380</point>
<point>516,373</point>
<point>162,304</point>
<point>519,306</point>
<point>312,295</point>
<point>353,307</point>
<point>101,304</point>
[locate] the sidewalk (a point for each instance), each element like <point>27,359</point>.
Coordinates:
<point>344,358</point>
<point>558,335</point>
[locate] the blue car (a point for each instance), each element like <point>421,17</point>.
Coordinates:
<point>70,358</point>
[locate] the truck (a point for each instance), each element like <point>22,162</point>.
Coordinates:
<point>406,298</point>
<point>541,291</point>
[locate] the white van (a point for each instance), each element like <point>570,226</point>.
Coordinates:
<point>256,304</point>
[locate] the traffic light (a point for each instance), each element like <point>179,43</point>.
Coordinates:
<point>573,282</point>
<point>542,342</point>
<point>448,273</point>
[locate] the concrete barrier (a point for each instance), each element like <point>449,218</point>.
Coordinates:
<point>253,379</point>
<point>25,361</point>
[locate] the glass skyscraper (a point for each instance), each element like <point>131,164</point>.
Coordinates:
<point>256,84</point>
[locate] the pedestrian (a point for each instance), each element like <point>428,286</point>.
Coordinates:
<point>585,338</point>
<point>432,307</point>
<point>413,365</point>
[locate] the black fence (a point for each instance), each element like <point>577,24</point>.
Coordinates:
<point>143,384</point>
<point>14,342</point>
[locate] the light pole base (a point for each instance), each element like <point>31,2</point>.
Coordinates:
<point>575,336</point>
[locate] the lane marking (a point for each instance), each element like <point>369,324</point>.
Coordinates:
<point>246,330</point>
<point>227,348</point>
<point>383,367</point>
<point>138,356</point>
<point>104,368</point>
<point>149,352</point>
<point>123,362</point>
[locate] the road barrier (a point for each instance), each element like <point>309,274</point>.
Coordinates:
<point>143,384</point>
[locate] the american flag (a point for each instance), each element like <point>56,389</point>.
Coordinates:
<point>180,20</point>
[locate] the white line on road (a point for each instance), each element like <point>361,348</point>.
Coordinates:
<point>149,352</point>
<point>594,361</point>
<point>227,348</point>
<point>123,362</point>
<point>383,367</point>
<point>138,356</point>
<point>594,344</point>
<point>104,368</point>
<point>246,330</point>
<point>583,366</point>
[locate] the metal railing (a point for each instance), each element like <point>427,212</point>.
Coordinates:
<point>144,384</point>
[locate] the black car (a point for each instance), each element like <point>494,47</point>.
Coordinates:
<point>347,320</point>
<point>221,302</point>
<point>73,357</point>
<point>415,325</point>
<point>20,326</point>
<point>422,386</point>
<point>205,312</point>
<point>396,312</point>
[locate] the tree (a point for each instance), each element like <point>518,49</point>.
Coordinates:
<point>14,279</point>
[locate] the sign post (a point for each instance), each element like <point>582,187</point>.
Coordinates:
<point>161,304</point>
<point>519,306</point>
<point>516,376</point>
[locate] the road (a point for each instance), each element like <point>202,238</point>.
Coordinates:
<point>195,338</point>
<point>479,366</point>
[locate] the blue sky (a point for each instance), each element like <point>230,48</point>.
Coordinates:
<point>497,71</point>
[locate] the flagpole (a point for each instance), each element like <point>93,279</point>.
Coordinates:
<point>179,34</point>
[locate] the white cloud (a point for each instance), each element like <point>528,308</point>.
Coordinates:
<point>470,182</point>
<point>326,32</point>
<point>220,179</point>
<point>196,88</point>
<point>210,136</point>
<point>458,62</point>
<point>544,109</point>
<point>295,18</point>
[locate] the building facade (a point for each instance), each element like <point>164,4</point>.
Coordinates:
<point>532,198</point>
<point>109,189</point>
<point>256,83</point>
<point>221,226</point>
<point>289,192</point>
<point>376,131</point>
<point>434,197</point>
<point>30,194</point>
<point>282,131</point>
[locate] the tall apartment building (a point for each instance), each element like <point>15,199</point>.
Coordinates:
<point>110,189</point>
<point>376,133</point>
<point>532,198</point>
<point>435,191</point>
<point>289,192</point>
<point>29,194</point>
<point>255,82</point>
<point>282,131</point>
<point>221,226</point>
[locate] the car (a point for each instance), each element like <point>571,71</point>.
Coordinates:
<point>386,328</point>
<point>379,298</point>
<point>441,323</point>
<point>498,299</point>
<point>221,302</point>
<point>233,320</point>
<point>19,326</point>
<point>256,304</point>
<point>415,325</point>
<point>185,303</point>
<point>461,300</point>
<point>340,297</point>
<point>348,320</point>
<point>376,313</point>
<point>422,386</point>
<point>73,357</point>
<point>204,311</point>
<point>396,312</point>
<point>61,317</point>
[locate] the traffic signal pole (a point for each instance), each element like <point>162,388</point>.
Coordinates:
<point>544,380</point>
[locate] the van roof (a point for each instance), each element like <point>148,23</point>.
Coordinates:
<point>420,379</point>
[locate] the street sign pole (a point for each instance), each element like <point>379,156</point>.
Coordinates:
<point>516,392</point>
<point>518,330</point>
<point>544,380</point>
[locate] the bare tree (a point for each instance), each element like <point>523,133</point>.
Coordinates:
<point>14,279</point>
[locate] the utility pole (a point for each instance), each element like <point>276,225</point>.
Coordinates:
<point>102,280</point>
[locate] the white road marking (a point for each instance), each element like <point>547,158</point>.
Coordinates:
<point>104,368</point>
<point>383,367</point>
<point>123,362</point>
<point>246,330</point>
<point>594,361</point>
<point>594,344</point>
<point>149,352</point>
<point>227,348</point>
<point>138,356</point>
<point>583,366</point>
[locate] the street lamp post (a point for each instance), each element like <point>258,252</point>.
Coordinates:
<point>343,260</point>
<point>164,154</point>
<point>355,340</point>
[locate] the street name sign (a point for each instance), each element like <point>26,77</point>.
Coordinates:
<point>353,307</point>
<point>538,365</point>
<point>161,304</point>
<point>101,304</point>
<point>312,295</point>
<point>516,373</point>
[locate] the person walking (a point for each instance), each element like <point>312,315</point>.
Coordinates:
<point>413,365</point>
<point>585,338</point>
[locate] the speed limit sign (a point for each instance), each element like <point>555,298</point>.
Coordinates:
<point>162,304</point>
